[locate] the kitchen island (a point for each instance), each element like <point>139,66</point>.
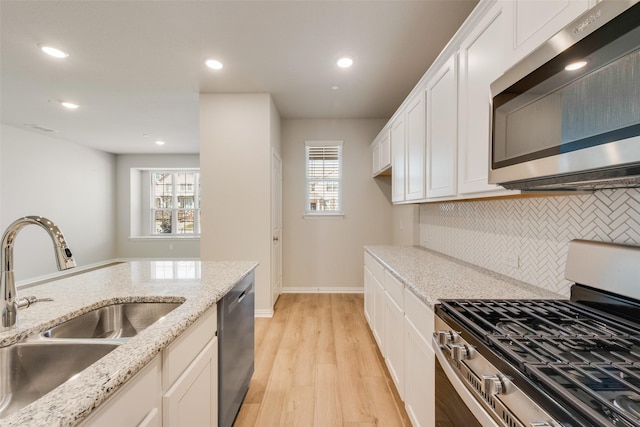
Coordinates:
<point>197,285</point>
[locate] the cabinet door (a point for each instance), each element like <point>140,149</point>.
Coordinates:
<point>153,419</point>
<point>415,146</point>
<point>385,151</point>
<point>535,21</point>
<point>442,132</point>
<point>481,61</point>
<point>193,398</point>
<point>375,154</point>
<point>368,296</point>
<point>420,378</point>
<point>398,160</point>
<point>379,314</point>
<point>394,341</point>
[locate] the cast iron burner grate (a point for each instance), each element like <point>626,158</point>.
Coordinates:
<point>584,357</point>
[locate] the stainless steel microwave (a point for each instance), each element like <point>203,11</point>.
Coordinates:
<point>567,117</point>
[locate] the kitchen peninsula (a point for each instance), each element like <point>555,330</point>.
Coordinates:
<point>197,285</point>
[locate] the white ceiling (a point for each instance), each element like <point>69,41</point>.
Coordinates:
<point>136,67</point>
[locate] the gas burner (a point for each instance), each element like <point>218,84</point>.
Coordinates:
<point>629,404</point>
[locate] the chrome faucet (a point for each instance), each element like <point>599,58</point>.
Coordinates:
<point>64,258</point>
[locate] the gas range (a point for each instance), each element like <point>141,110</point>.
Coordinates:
<point>553,362</point>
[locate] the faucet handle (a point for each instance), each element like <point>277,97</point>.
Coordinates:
<point>30,300</point>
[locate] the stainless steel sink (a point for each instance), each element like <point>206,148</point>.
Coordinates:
<point>29,370</point>
<point>113,321</point>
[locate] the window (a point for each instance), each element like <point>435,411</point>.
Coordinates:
<point>174,203</point>
<point>323,177</point>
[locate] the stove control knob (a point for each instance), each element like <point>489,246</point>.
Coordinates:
<point>447,337</point>
<point>496,384</point>
<point>460,352</point>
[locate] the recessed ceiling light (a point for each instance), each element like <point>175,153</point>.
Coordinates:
<point>335,87</point>
<point>57,53</point>
<point>159,142</point>
<point>69,105</point>
<point>345,62</point>
<point>213,64</point>
<point>575,65</point>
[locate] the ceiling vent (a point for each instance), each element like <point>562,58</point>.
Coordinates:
<point>38,127</point>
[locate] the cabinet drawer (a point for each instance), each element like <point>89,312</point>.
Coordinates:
<point>394,288</point>
<point>420,316</point>
<point>134,404</point>
<point>374,267</point>
<point>182,351</point>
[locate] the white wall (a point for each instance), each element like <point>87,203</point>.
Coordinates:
<point>150,247</point>
<point>328,253</point>
<point>72,185</point>
<point>405,225</point>
<point>237,133</point>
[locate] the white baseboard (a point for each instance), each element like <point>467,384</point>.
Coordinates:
<point>264,313</point>
<point>323,290</point>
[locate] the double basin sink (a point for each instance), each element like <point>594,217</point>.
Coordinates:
<point>31,369</point>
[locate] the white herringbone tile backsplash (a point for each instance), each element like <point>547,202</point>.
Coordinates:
<point>534,232</point>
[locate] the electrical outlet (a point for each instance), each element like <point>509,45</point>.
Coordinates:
<point>512,260</point>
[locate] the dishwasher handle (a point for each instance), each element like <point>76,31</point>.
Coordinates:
<point>236,301</point>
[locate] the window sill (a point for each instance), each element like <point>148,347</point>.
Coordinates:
<point>323,216</point>
<point>156,238</point>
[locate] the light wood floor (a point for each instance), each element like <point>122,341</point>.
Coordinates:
<point>317,364</point>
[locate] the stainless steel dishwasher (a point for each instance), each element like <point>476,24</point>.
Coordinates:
<point>235,348</point>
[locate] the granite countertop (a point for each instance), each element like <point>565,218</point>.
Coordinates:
<point>199,284</point>
<point>432,276</point>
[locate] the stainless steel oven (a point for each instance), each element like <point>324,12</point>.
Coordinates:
<point>547,363</point>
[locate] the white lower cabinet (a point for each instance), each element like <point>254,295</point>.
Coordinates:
<point>405,325</point>
<point>374,298</point>
<point>394,342</point>
<point>190,376</point>
<point>177,388</point>
<point>419,386</point>
<point>379,310</point>
<point>188,401</point>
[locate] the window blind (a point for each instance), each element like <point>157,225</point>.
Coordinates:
<point>323,176</point>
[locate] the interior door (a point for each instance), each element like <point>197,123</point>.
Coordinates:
<point>276,227</point>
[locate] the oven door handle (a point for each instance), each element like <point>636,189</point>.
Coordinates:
<point>458,383</point>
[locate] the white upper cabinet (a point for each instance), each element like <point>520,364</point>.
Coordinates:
<point>481,61</point>
<point>398,152</point>
<point>534,21</point>
<point>442,96</point>
<point>440,137</point>
<point>408,151</point>
<point>381,150</point>
<point>415,146</point>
